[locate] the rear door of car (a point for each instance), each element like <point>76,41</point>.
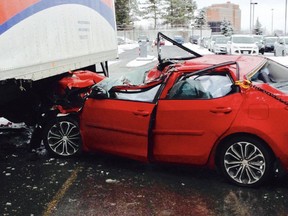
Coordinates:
<point>188,126</point>
<point>117,126</point>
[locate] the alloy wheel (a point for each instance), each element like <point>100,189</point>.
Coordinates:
<point>244,163</point>
<point>63,138</point>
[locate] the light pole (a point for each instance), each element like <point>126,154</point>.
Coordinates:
<point>272,21</point>
<point>250,16</point>
<point>253,8</point>
<point>285,16</point>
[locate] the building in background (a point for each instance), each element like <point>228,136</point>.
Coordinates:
<point>218,12</point>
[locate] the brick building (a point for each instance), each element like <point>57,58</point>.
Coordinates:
<point>218,12</point>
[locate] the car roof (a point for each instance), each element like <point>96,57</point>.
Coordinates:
<point>247,64</point>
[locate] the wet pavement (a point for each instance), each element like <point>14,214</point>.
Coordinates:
<point>93,184</point>
<point>33,184</point>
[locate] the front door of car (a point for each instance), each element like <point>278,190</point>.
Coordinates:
<point>117,126</point>
<point>189,122</point>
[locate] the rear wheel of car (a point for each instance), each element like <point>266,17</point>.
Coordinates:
<point>62,137</point>
<point>246,161</point>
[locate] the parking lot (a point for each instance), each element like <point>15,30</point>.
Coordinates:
<point>92,184</point>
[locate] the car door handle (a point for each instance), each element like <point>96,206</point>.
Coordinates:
<point>221,110</point>
<point>141,113</point>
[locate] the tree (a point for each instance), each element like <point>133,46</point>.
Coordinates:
<point>258,28</point>
<point>179,12</point>
<point>134,11</point>
<point>122,13</point>
<point>200,20</point>
<point>152,10</point>
<point>226,28</point>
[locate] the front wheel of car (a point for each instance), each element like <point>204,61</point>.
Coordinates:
<point>246,161</point>
<point>62,137</point>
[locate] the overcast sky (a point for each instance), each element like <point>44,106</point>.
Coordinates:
<point>263,10</point>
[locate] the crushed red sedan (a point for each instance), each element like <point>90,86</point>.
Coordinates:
<point>224,112</point>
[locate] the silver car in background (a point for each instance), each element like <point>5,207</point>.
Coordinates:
<point>220,45</point>
<point>212,40</point>
<point>281,46</point>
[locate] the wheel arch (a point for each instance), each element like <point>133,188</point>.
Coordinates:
<point>214,157</point>
<point>70,131</point>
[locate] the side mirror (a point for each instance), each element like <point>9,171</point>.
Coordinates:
<point>98,93</point>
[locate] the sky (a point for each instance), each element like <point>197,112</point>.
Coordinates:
<point>263,10</point>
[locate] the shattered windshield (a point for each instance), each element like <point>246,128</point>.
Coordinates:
<point>129,78</point>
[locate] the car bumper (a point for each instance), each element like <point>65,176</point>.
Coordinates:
<point>220,50</point>
<point>245,52</point>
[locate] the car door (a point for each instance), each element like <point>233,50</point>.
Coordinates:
<point>117,126</point>
<point>188,124</point>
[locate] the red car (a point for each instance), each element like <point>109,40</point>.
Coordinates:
<point>225,112</point>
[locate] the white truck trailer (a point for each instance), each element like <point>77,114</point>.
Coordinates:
<point>42,40</point>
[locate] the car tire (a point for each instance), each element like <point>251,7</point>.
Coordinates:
<point>62,138</point>
<point>246,161</point>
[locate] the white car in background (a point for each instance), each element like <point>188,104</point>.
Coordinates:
<point>242,44</point>
<point>281,46</point>
<point>220,45</point>
<point>212,40</point>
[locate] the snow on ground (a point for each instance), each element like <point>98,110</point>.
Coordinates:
<point>140,61</point>
<point>6,124</point>
<point>123,47</point>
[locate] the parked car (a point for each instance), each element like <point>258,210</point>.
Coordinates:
<point>120,40</point>
<point>269,43</point>
<point>220,45</point>
<point>161,42</point>
<point>221,111</point>
<point>143,38</point>
<point>179,39</point>
<point>194,39</point>
<point>212,40</point>
<point>204,42</point>
<point>281,46</point>
<point>259,40</point>
<point>242,44</point>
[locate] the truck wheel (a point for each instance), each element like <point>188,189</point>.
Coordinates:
<point>245,161</point>
<point>62,137</point>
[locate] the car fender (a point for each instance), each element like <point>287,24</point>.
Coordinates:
<point>237,130</point>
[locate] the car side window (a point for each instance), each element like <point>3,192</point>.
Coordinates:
<point>202,87</point>
<point>145,95</point>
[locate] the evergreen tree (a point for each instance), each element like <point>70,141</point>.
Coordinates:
<point>258,28</point>
<point>134,10</point>
<point>200,20</point>
<point>153,10</point>
<point>179,12</point>
<point>226,28</point>
<point>122,13</point>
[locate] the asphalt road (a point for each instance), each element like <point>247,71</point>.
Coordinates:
<point>93,184</point>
